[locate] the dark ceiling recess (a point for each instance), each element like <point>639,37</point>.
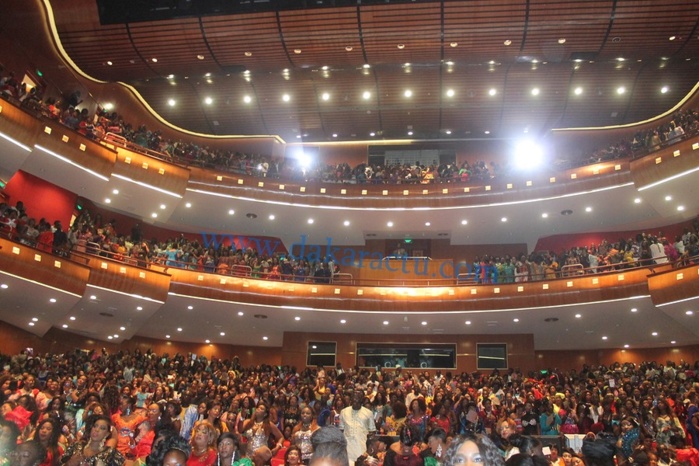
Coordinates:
<point>136,11</point>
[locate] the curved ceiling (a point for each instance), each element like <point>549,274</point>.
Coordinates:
<point>449,54</point>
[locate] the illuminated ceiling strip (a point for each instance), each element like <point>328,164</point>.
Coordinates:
<point>669,178</point>
<point>136,296</point>
<point>15,142</point>
<point>394,209</point>
<point>679,104</point>
<point>60,157</point>
<point>51,21</point>
<point>678,301</point>
<point>146,185</point>
<point>40,284</point>
<point>354,311</point>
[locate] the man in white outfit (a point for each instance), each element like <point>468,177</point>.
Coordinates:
<point>357,423</point>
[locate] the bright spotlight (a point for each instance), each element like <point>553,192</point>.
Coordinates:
<point>304,159</point>
<point>528,155</point>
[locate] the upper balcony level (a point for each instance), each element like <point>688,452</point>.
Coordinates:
<point>201,200</point>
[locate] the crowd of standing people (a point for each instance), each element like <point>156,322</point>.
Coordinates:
<point>94,408</point>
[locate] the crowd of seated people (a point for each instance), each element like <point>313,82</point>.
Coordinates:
<point>95,236</point>
<point>106,409</point>
<point>102,123</point>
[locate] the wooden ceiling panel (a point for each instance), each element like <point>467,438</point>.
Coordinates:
<point>558,28</point>
<point>643,29</point>
<point>322,36</point>
<point>480,28</point>
<point>411,33</point>
<point>257,35</point>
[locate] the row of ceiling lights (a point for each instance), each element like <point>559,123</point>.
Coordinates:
<point>408,93</point>
<point>34,320</point>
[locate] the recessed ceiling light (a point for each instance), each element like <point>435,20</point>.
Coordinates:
<point>578,90</point>
<point>179,329</point>
<point>504,219</point>
<point>64,325</point>
<point>163,206</point>
<point>223,334</point>
<point>167,336</point>
<point>424,322</point>
<point>515,320</point>
<point>122,328</point>
<point>171,102</point>
<point>71,318</point>
<point>343,321</point>
<point>372,134</point>
<point>535,91</point>
<point>139,308</point>
<point>286,97</point>
<point>633,309</point>
<point>109,62</point>
<point>604,338</point>
<point>366,66</point>
<point>620,90</point>
<point>116,335</point>
<point>265,338</point>
<point>689,313</point>
<point>200,57</point>
<point>449,63</point>
<point>154,60</point>
<point>4,286</point>
<point>492,92</point>
<point>52,300</point>
<point>188,205</point>
<point>450,92</point>
<point>93,297</point>
<point>297,51</point>
<point>366,95</point>
<point>325,96</point>
<point>231,212</point>
<point>668,198</point>
<point>389,224</point>
<point>31,324</point>
<point>447,131</point>
<point>108,106</point>
<point>107,201</point>
<point>349,48</point>
<point>297,318</point>
<point>486,131</point>
<point>544,215</point>
<point>310,221</point>
<point>454,44</point>
<point>464,222</point>
<point>346,223</point>
<point>637,200</point>
<point>680,208</point>
<point>578,316</point>
<point>248,54</point>
<point>626,346</point>
<point>247,99</point>
<point>562,40</point>
<point>207,341</point>
<point>334,135</point>
<point>272,217</point>
<point>427,224</point>
<point>408,93</point>
<point>507,42</point>
<point>400,46</point>
<point>208,101</point>
<point>385,322</point>
<point>655,334</point>
<point>672,37</point>
<point>240,313</point>
<point>588,209</point>
<point>410,133</point>
<point>673,342</point>
<point>664,89</point>
<point>620,59</point>
<point>468,322</point>
<point>109,337</point>
<point>190,307</point>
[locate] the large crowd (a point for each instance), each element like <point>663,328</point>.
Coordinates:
<point>66,109</point>
<point>100,409</point>
<point>94,235</point>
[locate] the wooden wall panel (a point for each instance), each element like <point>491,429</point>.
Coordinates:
<point>666,162</point>
<point>520,347</point>
<point>576,359</point>
<point>58,272</point>
<point>118,276</point>
<point>151,171</point>
<point>667,286</point>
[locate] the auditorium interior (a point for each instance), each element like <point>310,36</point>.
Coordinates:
<point>349,82</point>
